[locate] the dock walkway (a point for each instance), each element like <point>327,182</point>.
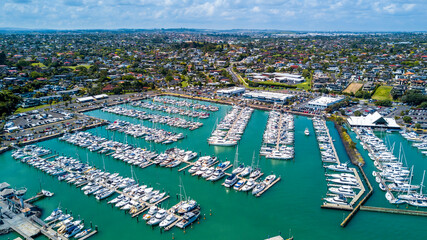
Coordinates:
<point>394,211</point>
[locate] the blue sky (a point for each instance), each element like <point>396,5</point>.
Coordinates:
<point>312,15</point>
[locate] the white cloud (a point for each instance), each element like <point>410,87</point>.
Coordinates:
<point>304,14</point>
<point>391,8</point>
<point>408,7</point>
<point>256,9</point>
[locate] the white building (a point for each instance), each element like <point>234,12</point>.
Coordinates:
<point>373,120</point>
<point>321,103</point>
<point>277,77</point>
<point>234,91</point>
<point>85,99</point>
<point>268,97</point>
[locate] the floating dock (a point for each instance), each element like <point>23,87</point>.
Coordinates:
<point>35,198</point>
<point>268,187</point>
<point>394,211</point>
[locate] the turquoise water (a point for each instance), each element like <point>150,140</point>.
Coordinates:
<point>292,204</point>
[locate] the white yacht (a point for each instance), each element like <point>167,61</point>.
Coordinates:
<point>160,215</point>
<point>168,220</point>
<point>306,132</point>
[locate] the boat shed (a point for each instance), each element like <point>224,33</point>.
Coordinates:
<point>373,120</point>
<point>323,102</point>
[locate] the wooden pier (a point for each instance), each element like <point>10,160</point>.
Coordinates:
<point>182,169</point>
<point>357,208</point>
<point>362,190</point>
<point>331,142</point>
<point>38,196</point>
<point>170,226</point>
<point>51,157</point>
<point>394,211</point>
<point>268,187</point>
<point>279,132</point>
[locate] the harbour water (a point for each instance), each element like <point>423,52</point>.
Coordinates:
<point>291,205</point>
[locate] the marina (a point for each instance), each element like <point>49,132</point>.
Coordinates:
<point>293,192</point>
<point>278,137</point>
<point>343,181</point>
<point>171,121</point>
<point>132,197</point>
<point>171,109</point>
<point>149,134</point>
<point>229,131</point>
<point>183,103</point>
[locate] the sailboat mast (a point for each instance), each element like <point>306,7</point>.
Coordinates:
<point>422,183</point>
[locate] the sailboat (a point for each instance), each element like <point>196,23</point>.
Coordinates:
<point>414,196</point>
<point>237,168</point>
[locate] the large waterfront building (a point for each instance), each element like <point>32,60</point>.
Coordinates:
<point>373,120</point>
<point>270,97</point>
<point>234,91</point>
<point>321,103</point>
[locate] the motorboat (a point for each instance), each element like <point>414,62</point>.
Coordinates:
<point>83,233</point>
<point>269,179</point>
<point>151,213</point>
<point>168,220</point>
<point>340,200</point>
<point>249,185</point>
<point>216,175</point>
<point>343,190</point>
<point>187,206</point>
<point>54,215</point>
<point>239,184</point>
<point>160,215</point>
<point>306,132</point>
<point>231,180</point>
<point>188,218</point>
<point>258,188</point>
<point>246,171</point>
<point>255,173</point>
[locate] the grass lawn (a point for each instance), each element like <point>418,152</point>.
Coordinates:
<point>305,85</point>
<point>184,84</point>
<point>353,87</point>
<point>383,93</point>
<point>21,110</point>
<point>41,65</point>
<point>82,65</point>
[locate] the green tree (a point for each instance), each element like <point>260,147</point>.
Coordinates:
<point>118,90</point>
<point>384,103</point>
<point>417,125</point>
<point>2,58</point>
<point>8,103</point>
<point>357,113</point>
<point>35,75</point>
<point>407,119</point>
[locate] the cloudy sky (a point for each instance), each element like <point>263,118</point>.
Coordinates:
<point>313,15</point>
